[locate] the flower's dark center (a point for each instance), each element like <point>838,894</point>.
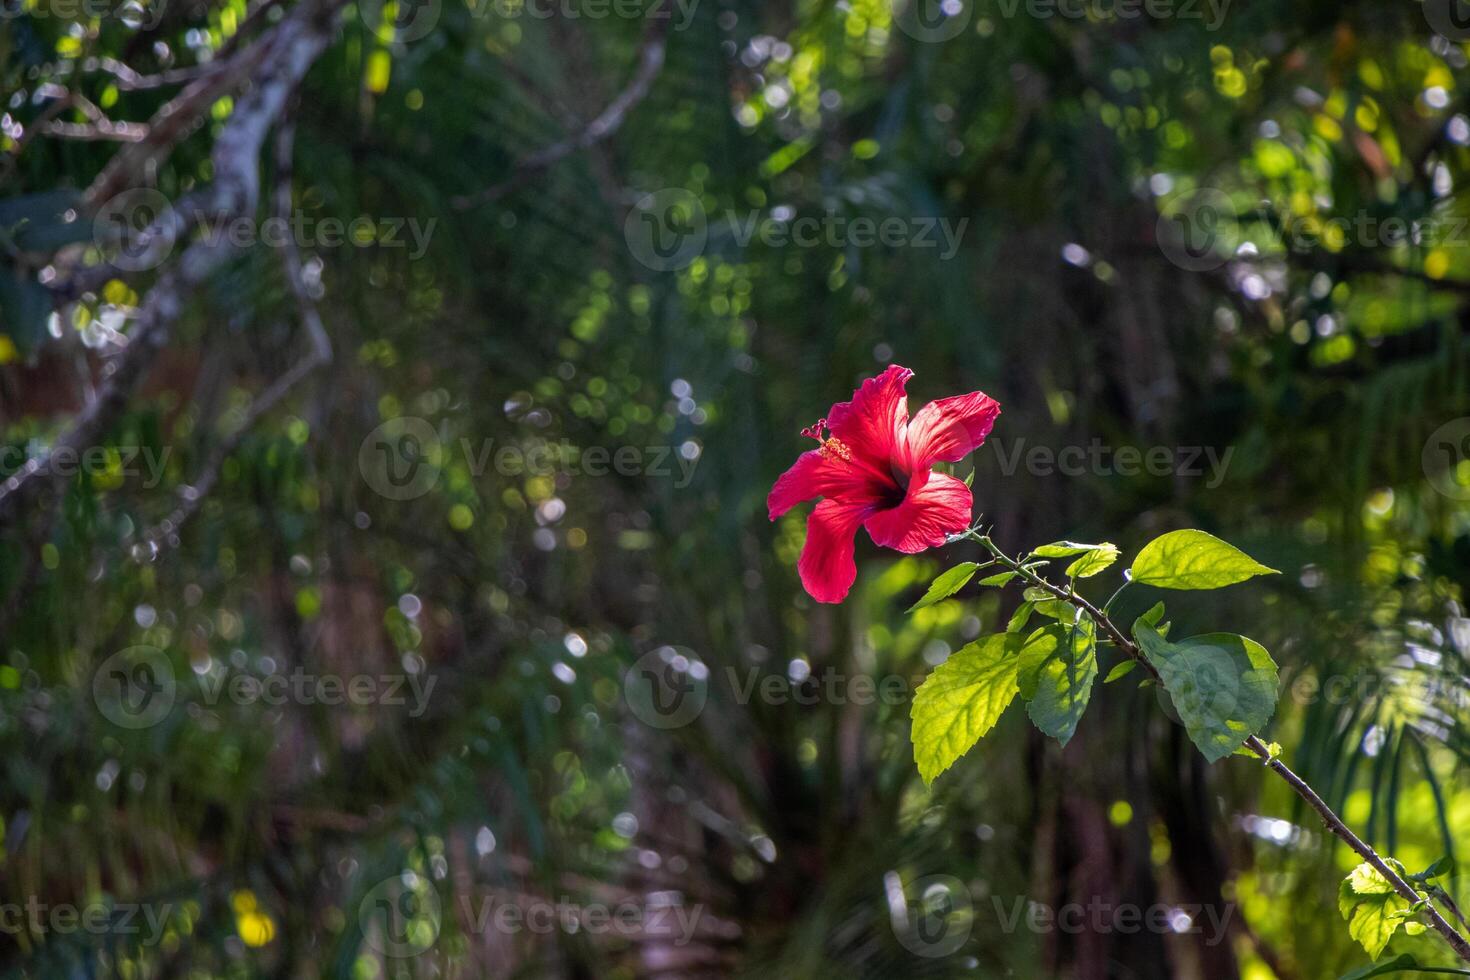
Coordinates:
<point>891,482</point>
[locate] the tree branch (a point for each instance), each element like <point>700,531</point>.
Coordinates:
<point>276,64</point>
<point>320,354</point>
<point>650,63</point>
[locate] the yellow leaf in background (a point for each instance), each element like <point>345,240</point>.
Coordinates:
<point>1436,263</point>
<point>8,352</point>
<point>379,68</point>
<point>256,928</point>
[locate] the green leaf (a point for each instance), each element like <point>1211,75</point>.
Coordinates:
<point>1372,916</point>
<point>1399,964</point>
<point>1194,560</point>
<point>1063,683</point>
<point>961,700</point>
<point>1037,594</point>
<point>25,306</point>
<point>1065,549</point>
<point>1438,869</point>
<point>1094,561</point>
<point>1120,670</point>
<point>1038,648</point>
<point>1368,880</point>
<point>1222,685</point>
<point>947,584</point>
<point>1000,579</point>
<point>1020,617</point>
<point>1062,612</point>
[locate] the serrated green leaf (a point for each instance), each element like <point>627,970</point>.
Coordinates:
<point>1000,579</point>
<point>1120,670</point>
<point>1062,686</point>
<point>1096,560</point>
<point>1064,549</point>
<point>1152,617</point>
<point>947,583</point>
<point>1194,560</point>
<point>1368,880</point>
<point>1373,921</point>
<point>961,700</point>
<point>1020,617</point>
<point>1222,685</point>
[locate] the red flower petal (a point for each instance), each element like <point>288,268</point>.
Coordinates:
<point>871,425</point>
<point>933,510</point>
<point>819,474</point>
<point>949,429</point>
<point>826,565</point>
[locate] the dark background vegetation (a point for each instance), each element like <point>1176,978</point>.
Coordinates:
<point>1322,365</point>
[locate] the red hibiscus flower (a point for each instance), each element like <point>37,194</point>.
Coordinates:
<point>872,467</point>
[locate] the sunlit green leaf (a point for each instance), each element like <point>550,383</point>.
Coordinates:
<point>947,583</point>
<point>1064,549</point>
<point>961,700</point>
<point>1372,908</point>
<point>1094,561</point>
<point>1194,560</point>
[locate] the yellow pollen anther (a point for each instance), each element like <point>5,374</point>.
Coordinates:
<point>832,446</point>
